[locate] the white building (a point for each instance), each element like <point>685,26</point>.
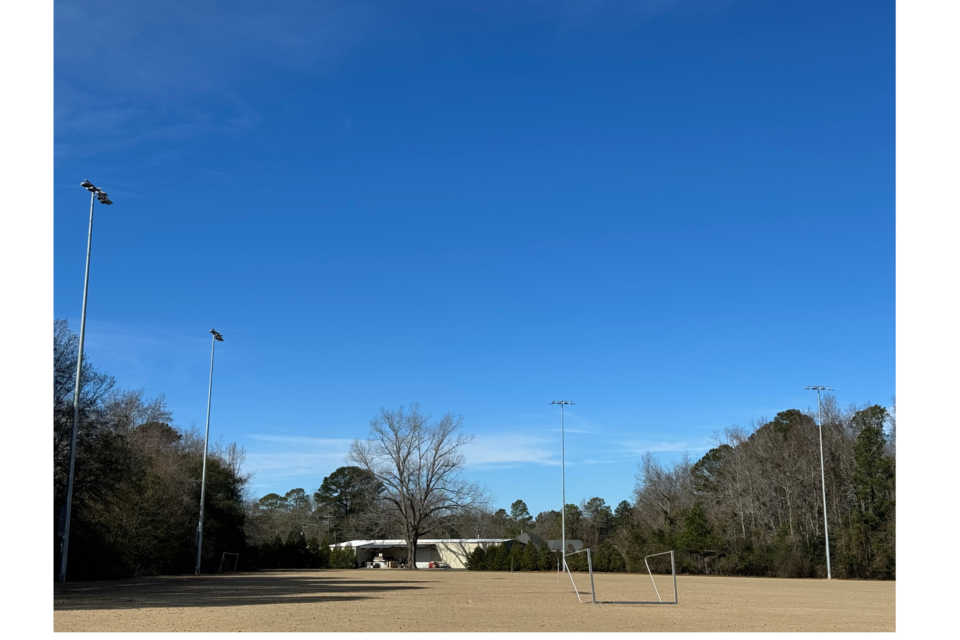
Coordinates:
<point>451,552</point>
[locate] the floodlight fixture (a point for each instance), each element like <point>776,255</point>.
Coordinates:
<point>823,482</point>
<point>216,335</point>
<point>86,184</point>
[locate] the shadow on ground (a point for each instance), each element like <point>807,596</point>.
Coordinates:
<point>221,590</point>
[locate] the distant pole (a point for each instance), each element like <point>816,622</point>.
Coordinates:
<point>823,481</point>
<point>65,544</point>
<point>203,482</point>
<point>563,487</point>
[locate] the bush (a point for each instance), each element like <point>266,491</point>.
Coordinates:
<point>607,559</point>
<point>530,558</point>
<point>498,558</point>
<point>343,558</point>
<point>547,559</point>
<point>476,561</point>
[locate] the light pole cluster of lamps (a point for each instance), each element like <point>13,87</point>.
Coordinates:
<point>563,489</point>
<point>101,196</point>
<point>823,482</point>
<point>206,437</point>
<point>95,194</point>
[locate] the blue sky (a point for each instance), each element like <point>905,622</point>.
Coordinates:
<point>676,214</point>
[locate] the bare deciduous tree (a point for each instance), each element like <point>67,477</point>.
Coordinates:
<point>419,463</point>
<point>662,493</point>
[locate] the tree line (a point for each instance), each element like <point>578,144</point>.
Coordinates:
<point>136,491</point>
<point>750,506</point>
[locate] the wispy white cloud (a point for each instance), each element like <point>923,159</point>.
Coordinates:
<point>155,358</point>
<point>174,69</point>
<point>498,451</point>
<point>640,447</point>
<point>280,461</point>
<point>305,441</point>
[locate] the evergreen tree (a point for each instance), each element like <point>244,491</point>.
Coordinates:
<point>531,558</point>
<point>697,535</point>
<point>872,553</point>
<point>621,516</point>
<point>873,475</point>
<point>476,561</point>
<point>547,558</point>
<point>520,518</point>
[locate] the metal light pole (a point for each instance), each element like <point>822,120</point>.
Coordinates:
<point>65,543</point>
<point>203,482</point>
<point>823,481</point>
<point>563,487</point>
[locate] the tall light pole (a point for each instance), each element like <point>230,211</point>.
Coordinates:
<point>563,487</point>
<point>823,481</point>
<point>203,482</point>
<point>65,543</point>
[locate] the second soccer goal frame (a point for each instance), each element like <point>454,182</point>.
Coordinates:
<point>659,600</point>
<point>225,560</point>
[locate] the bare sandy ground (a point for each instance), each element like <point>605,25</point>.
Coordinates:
<point>437,600</point>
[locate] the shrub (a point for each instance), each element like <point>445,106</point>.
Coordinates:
<point>476,561</point>
<point>547,559</point>
<point>343,558</point>
<point>607,559</point>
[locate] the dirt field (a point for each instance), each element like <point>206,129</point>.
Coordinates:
<point>437,600</point>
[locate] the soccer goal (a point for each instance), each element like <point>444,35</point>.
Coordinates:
<point>659,600</point>
<point>227,558</point>
<point>593,591</point>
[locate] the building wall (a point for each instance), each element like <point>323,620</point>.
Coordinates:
<point>426,555</point>
<point>455,553</point>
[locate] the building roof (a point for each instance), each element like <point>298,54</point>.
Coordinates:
<point>553,545</point>
<point>377,544</point>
